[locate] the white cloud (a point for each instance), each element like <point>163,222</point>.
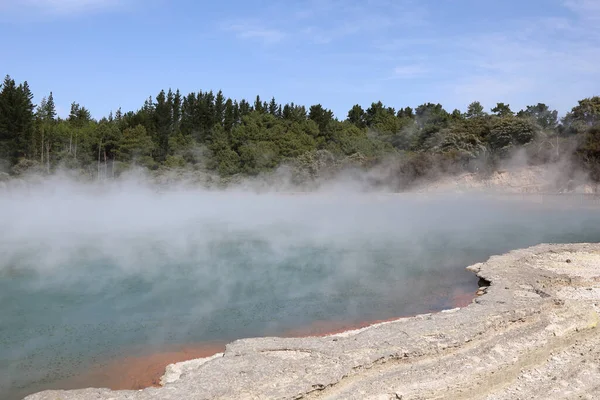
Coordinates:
<point>410,71</point>
<point>552,60</point>
<point>254,30</point>
<point>61,7</point>
<point>589,9</point>
<point>329,21</point>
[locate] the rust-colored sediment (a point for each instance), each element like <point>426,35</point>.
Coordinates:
<point>142,371</point>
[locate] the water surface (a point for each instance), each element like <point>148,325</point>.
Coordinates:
<point>86,278</point>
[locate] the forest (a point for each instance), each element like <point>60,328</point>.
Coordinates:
<point>230,139</point>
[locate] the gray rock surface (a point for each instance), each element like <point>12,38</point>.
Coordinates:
<point>532,334</point>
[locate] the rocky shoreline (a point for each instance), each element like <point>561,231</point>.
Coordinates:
<point>531,334</point>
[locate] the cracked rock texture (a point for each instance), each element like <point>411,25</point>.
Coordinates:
<point>532,334</point>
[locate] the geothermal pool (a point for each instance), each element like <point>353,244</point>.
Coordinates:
<point>88,277</point>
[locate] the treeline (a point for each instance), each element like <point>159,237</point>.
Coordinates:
<point>210,132</point>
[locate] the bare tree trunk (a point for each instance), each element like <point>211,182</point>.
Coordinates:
<point>48,156</point>
<point>70,141</point>
<point>76,141</point>
<point>33,150</point>
<point>105,165</point>
<point>99,149</point>
<point>42,146</point>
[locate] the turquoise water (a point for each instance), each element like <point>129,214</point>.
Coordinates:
<point>86,278</point>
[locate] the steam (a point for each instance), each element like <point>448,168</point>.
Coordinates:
<point>89,270</point>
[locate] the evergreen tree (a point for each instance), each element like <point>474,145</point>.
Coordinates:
<point>163,122</point>
<point>321,116</point>
<point>176,113</point>
<point>356,116</point>
<point>245,108</point>
<point>405,113</point>
<point>219,108</point>
<point>119,115</point>
<point>547,119</point>
<point>475,110</point>
<point>16,120</point>
<point>50,109</point>
<point>273,107</point>
<point>258,105</point>
<point>502,110</point>
<point>236,113</point>
<point>229,116</point>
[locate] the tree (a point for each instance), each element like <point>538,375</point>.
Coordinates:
<point>406,112</point>
<point>177,111</point>
<point>16,120</point>
<point>542,115</point>
<point>588,152</point>
<point>229,117</point>
<point>77,119</point>
<point>244,108</point>
<point>508,132</point>
<point>79,116</point>
<point>273,107</point>
<point>583,116</point>
<point>475,110</point>
<point>502,110</point>
<point>378,114</point>
<point>292,112</point>
<point>430,118</point>
<point>258,105</point>
<point>456,115</point>
<point>219,108</point>
<point>135,145</point>
<point>321,116</point>
<point>356,116</point>
<point>164,124</point>
<point>50,109</point>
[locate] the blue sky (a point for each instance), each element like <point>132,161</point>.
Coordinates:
<point>110,53</point>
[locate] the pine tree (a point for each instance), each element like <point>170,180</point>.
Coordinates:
<point>356,116</point>
<point>50,109</point>
<point>219,108</point>
<point>176,112</point>
<point>245,108</point>
<point>258,105</point>
<point>187,114</point>
<point>321,116</point>
<point>16,120</point>
<point>229,116</point>
<point>405,113</point>
<point>236,113</point>
<point>163,123</point>
<point>273,107</point>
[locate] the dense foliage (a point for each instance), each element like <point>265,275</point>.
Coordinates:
<point>209,132</point>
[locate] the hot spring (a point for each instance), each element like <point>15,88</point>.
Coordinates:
<point>90,274</point>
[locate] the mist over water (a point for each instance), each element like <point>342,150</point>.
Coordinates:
<point>88,272</point>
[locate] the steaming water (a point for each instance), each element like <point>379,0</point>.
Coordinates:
<point>87,276</point>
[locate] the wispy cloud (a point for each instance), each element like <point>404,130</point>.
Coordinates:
<point>255,30</point>
<point>589,9</point>
<point>335,20</point>
<point>545,56</point>
<point>60,7</point>
<point>410,71</point>
<point>330,21</point>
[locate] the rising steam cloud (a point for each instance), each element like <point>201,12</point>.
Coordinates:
<point>89,270</point>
